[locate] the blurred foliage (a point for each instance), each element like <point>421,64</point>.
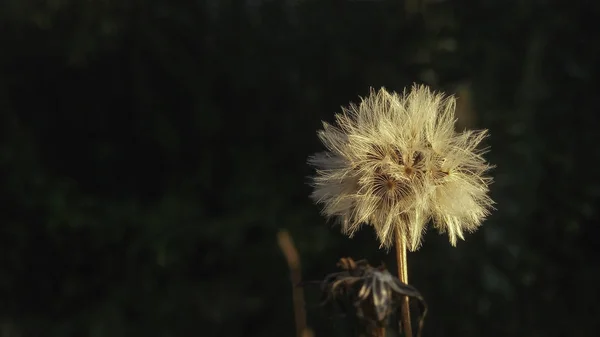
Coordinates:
<point>151,150</point>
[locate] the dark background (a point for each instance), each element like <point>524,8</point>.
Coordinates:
<point>151,150</point>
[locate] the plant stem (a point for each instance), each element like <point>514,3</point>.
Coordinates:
<point>293,259</point>
<point>403,276</point>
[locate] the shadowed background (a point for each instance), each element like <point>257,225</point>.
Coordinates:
<point>150,151</point>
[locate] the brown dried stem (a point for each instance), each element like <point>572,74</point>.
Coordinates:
<point>293,260</point>
<point>380,332</point>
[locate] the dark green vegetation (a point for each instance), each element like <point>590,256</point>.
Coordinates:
<point>151,150</point>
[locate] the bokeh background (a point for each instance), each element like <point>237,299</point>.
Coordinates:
<point>151,150</point>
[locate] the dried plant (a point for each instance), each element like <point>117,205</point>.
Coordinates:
<point>286,244</point>
<point>373,293</point>
<point>395,162</point>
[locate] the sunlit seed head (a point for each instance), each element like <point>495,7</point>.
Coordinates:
<point>395,162</point>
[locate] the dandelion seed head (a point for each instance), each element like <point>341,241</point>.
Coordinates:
<point>395,162</point>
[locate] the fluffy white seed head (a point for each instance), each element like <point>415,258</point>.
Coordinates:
<point>395,162</point>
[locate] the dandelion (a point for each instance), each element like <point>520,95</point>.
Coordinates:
<point>395,162</point>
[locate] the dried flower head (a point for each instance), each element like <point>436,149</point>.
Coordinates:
<point>373,293</point>
<point>395,162</point>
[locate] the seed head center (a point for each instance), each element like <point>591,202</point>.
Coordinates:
<point>390,184</point>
